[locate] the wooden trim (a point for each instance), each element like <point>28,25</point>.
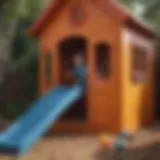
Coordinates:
<point>46,16</point>
<point>73,127</point>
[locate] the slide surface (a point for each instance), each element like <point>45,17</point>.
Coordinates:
<point>20,136</point>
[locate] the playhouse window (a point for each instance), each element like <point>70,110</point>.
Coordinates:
<point>48,61</point>
<point>102,60</point>
<point>139,64</point>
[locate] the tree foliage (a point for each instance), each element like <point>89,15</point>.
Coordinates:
<point>24,50</point>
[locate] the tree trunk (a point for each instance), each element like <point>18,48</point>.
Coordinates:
<point>7,30</point>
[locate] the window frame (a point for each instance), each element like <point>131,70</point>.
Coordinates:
<point>48,67</point>
<point>139,63</point>
<point>98,49</point>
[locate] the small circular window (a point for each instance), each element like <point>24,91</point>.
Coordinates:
<point>77,13</point>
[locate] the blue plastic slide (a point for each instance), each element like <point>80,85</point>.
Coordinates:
<point>20,136</point>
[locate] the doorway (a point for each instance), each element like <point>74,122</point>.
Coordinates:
<point>67,49</point>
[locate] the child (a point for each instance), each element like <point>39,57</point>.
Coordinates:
<point>80,68</point>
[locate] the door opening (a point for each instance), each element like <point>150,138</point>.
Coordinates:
<point>68,48</point>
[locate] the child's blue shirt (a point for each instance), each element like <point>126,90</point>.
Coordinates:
<point>81,73</point>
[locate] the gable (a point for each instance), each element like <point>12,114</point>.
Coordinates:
<point>94,24</point>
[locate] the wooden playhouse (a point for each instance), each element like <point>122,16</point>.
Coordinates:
<point>112,40</point>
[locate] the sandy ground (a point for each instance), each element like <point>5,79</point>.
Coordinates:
<point>145,146</point>
<point>62,148</point>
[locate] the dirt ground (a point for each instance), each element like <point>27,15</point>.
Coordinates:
<point>144,146</point>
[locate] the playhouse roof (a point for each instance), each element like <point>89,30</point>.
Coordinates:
<point>117,9</point>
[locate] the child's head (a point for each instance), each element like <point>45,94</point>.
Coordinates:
<point>78,59</point>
